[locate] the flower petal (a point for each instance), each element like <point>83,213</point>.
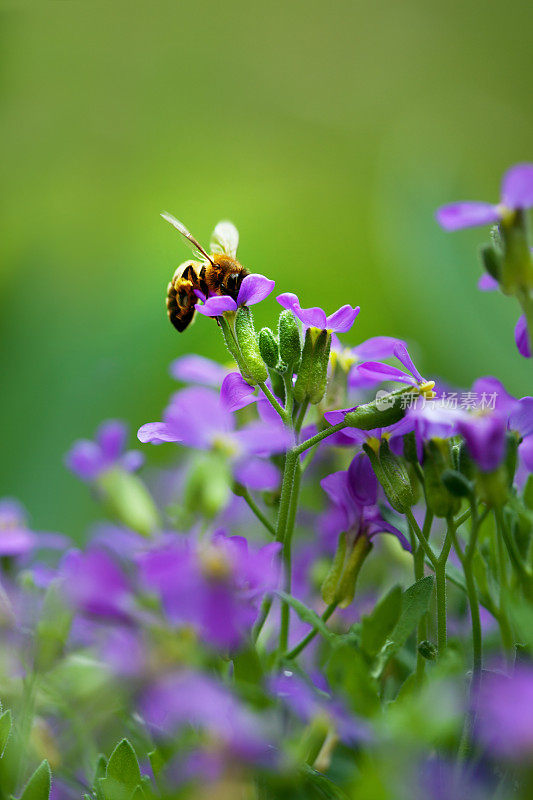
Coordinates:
<point>257,474</point>
<point>384,372</point>
<point>215,306</point>
<point>85,459</point>
<point>236,393</point>
<point>112,436</point>
<point>254,288</point>
<point>313,317</point>
<point>157,433</point>
<point>455,216</point>
<point>521,419</point>
<point>487,283</point>
<point>517,186</point>
<point>521,337</point>
<point>342,320</point>
<point>377,347</point>
<point>404,358</point>
<point>197,369</point>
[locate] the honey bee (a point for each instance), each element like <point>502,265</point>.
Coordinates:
<point>217,272</point>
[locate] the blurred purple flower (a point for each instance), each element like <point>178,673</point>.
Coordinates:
<point>16,538</point>
<point>236,393</point>
<point>516,193</point>
<point>254,288</point>
<point>197,700</point>
<point>485,438</point>
<point>353,494</point>
<point>521,336</point>
<point>505,718</point>
<point>339,322</point>
<point>199,418</point>
<point>89,459</point>
<point>197,369</point>
<point>94,583</point>
<point>215,585</point>
<point>307,703</point>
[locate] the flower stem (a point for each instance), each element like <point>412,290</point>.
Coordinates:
<point>426,547</point>
<point>287,557</point>
<point>273,402</point>
<point>311,635</point>
<point>247,497</point>
<point>440,586</point>
<point>319,436</point>
<point>418,564</point>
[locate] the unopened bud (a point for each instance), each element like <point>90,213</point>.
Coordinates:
<point>517,266</point>
<point>392,475</point>
<point>456,483</point>
<point>268,347</point>
<point>331,581</point>
<point>492,261</point>
<point>384,411</point>
<point>249,349</point>
<point>128,500</point>
<point>290,345</point>
<point>313,370</point>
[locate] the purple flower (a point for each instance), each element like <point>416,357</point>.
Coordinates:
<point>199,418</point>
<point>353,494</point>
<point>197,700</point>
<point>383,372</point>
<point>16,538</point>
<point>93,582</point>
<point>89,459</point>
<point>339,322</point>
<point>307,703</point>
<point>254,288</point>
<point>485,439</point>
<point>215,585</point>
<point>505,721</point>
<point>516,193</point>
<point>236,393</point>
<point>521,336</point>
<point>197,369</point>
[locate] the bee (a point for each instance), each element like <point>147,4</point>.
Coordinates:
<point>217,272</point>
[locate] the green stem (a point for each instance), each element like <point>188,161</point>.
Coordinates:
<point>247,497</point>
<point>503,617</point>
<point>426,547</point>
<point>273,402</point>
<point>319,436</point>
<point>522,572</point>
<point>287,557</point>
<point>301,416</point>
<point>418,563</point>
<point>440,586</point>
<point>311,635</point>
<point>289,394</point>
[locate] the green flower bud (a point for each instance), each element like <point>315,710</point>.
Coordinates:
<point>456,483</point>
<point>208,485</point>
<point>290,345</point>
<point>437,458</point>
<point>329,586</point>
<point>356,557</point>
<point>278,387</point>
<point>492,261</point>
<point>246,338</point>
<point>313,371</point>
<point>392,474</point>
<point>385,410</point>
<point>268,347</point>
<point>517,266</point>
<point>466,466</point>
<point>128,500</point>
<point>409,448</point>
<point>427,650</point>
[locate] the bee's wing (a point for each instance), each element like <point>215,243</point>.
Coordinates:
<point>184,232</point>
<point>225,239</point>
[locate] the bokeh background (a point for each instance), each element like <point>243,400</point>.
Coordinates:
<point>328,132</point>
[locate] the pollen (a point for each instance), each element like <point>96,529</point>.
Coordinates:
<point>214,564</point>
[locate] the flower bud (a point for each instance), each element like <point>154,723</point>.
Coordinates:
<point>208,484</point>
<point>456,483</point>
<point>410,452</point>
<point>268,347</point>
<point>249,349</point>
<point>329,585</point>
<point>128,500</point>
<point>290,345</point>
<point>427,650</point>
<point>384,411</point>
<point>491,260</point>
<point>392,475</point>
<point>356,557</point>
<point>517,267</point>
<point>465,463</point>
<point>438,458</point>
<point>313,370</point>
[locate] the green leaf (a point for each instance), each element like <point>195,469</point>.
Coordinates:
<point>377,626</point>
<point>123,774</point>
<point>307,614</point>
<point>38,786</point>
<point>5,730</point>
<point>415,601</point>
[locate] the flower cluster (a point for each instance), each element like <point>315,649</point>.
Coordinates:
<point>236,615</point>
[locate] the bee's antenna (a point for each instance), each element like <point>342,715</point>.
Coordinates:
<point>188,235</point>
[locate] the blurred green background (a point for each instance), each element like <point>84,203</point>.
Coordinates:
<point>328,132</point>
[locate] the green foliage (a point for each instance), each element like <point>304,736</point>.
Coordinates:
<point>377,626</point>
<point>38,786</point>
<point>6,723</point>
<point>123,779</point>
